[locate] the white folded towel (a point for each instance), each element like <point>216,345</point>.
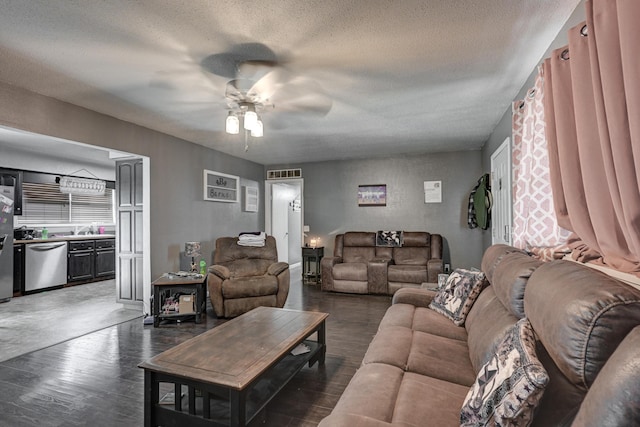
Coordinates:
<point>252,239</point>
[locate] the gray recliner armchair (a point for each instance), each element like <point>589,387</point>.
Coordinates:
<point>245,277</point>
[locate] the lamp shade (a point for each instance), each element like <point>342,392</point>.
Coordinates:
<point>257,129</point>
<point>250,119</point>
<point>232,124</point>
<point>192,249</point>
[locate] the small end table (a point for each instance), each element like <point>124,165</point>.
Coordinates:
<point>184,284</point>
<point>309,254</point>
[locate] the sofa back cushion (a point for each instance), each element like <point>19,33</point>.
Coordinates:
<point>359,246</point>
<point>487,323</point>
<point>581,315</point>
<point>411,256</point>
<point>613,398</point>
<point>510,278</point>
<point>492,257</point>
<point>243,261</point>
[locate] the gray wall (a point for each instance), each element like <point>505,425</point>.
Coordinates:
<point>503,128</point>
<point>331,207</point>
<point>178,211</point>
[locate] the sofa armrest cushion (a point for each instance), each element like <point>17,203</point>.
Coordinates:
<point>413,296</point>
<point>277,268</point>
<point>221,271</point>
<point>434,267</point>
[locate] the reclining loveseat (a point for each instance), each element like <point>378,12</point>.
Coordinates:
<point>382,262</point>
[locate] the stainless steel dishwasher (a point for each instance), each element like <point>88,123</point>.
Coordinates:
<point>45,265</point>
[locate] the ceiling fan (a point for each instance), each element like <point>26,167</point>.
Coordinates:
<point>260,82</point>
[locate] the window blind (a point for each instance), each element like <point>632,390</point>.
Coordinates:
<point>45,204</point>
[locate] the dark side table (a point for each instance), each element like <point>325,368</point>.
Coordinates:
<point>309,254</point>
<point>187,285</point>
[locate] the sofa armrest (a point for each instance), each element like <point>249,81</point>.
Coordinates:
<point>326,265</point>
<point>277,268</point>
<point>221,271</point>
<point>434,267</point>
<point>413,296</point>
<point>377,276</point>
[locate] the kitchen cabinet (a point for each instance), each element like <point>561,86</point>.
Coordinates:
<point>105,258</point>
<point>81,258</point>
<point>91,260</point>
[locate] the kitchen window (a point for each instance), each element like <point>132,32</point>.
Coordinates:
<point>45,204</point>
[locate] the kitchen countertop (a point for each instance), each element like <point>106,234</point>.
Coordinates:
<point>56,238</point>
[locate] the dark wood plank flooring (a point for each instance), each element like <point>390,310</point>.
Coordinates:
<point>94,380</point>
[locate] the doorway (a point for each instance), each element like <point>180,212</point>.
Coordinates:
<point>30,151</point>
<point>284,213</point>
<point>501,191</point>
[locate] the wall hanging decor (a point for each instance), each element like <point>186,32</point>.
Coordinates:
<point>372,195</point>
<point>220,187</point>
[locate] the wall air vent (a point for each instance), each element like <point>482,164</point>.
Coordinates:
<point>284,174</point>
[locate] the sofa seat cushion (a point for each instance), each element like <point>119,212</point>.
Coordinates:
<point>250,287</point>
<point>372,392</point>
<point>424,400</point>
<point>422,353</point>
<point>422,319</point>
<point>407,273</point>
<point>350,271</point>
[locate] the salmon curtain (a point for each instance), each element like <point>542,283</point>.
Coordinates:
<point>592,111</point>
<point>535,227</point>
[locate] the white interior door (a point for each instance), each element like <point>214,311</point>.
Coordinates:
<point>280,219</point>
<point>283,217</point>
<point>501,191</point>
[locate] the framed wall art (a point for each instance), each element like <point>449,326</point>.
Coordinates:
<point>220,187</point>
<point>372,195</point>
<point>251,199</point>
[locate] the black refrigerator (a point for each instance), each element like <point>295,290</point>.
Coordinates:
<point>6,242</point>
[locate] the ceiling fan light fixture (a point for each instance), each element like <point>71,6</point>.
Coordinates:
<point>232,124</point>
<point>250,117</point>
<point>257,129</point>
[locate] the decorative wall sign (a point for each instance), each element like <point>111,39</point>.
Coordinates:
<point>433,191</point>
<point>372,195</point>
<point>251,199</point>
<point>220,187</point>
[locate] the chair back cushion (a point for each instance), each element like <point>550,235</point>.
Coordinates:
<point>244,261</point>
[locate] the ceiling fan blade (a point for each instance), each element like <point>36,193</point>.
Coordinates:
<point>228,64</point>
<point>302,95</point>
<point>270,83</point>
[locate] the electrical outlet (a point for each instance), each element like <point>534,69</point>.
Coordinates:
<point>447,268</point>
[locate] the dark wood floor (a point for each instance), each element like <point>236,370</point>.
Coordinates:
<point>94,380</point>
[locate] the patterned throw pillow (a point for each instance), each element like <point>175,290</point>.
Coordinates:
<point>510,385</point>
<point>456,297</point>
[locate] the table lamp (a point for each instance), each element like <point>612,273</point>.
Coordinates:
<point>192,249</point>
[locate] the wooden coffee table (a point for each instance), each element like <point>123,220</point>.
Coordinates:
<point>226,375</point>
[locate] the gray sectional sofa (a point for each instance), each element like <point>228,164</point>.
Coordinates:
<point>360,264</point>
<point>420,366</point>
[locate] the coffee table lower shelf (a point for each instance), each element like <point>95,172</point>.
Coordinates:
<point>192,409</point>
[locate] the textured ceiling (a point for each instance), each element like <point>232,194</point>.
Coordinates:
<point>412,76</point>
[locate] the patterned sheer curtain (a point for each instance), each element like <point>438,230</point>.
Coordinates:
<point>592,110</point>
<point>535,226</point>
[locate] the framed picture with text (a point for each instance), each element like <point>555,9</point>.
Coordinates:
<point>372,195</point>
<point>221,187</point>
